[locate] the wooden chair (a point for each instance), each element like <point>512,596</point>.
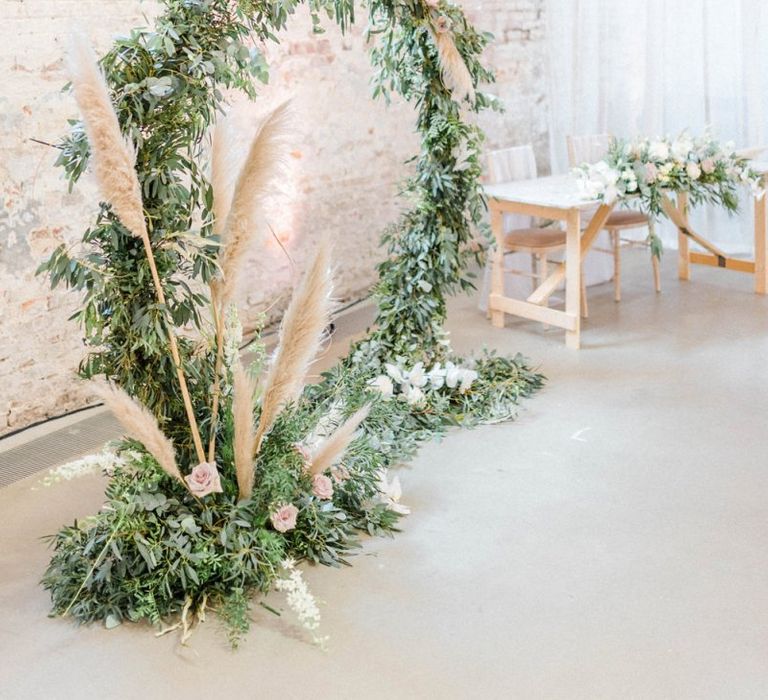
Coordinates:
<point>590,149</point>
<point>519,163</point>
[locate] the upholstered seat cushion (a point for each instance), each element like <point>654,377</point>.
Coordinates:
<point>534,238</point>
<point>626,219</point>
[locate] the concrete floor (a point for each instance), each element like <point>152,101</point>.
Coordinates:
<point>609,544</point>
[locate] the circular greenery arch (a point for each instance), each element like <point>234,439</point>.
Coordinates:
<point>165,84</point>
<point>152,552</point>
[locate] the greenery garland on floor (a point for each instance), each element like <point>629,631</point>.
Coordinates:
<point>178,533</point>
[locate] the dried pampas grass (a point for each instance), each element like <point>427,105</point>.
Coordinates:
<point>112,156</point>
<point>307,317</point>
<point>330,451</point>
<point>254,183</point>
<point>235,219</point>
<point>221,175</point>
<point>141,425</point>
<point>456,76</point>
<point>113,160</point>
<point>244,389</point>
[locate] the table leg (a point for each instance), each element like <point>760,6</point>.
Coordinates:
<point>683,254</point>
<point>573,277</point>
<point>761,246</point>
<point>497,270</point>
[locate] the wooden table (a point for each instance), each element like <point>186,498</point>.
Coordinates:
<point>677,211</point>
<point>559,198</point>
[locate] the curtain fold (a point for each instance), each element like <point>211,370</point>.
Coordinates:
<point>658,67</point>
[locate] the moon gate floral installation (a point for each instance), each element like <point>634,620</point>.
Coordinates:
<point>231,475</point>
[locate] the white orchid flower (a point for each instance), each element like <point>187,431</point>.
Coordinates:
<point>395,373</point>
<point>413,395</point>
<point>391,492</point>
<point>468,376</point>
<point>437,377</point>
<point>383,384</point>
<point>417,376</point>
<point>452,375</point>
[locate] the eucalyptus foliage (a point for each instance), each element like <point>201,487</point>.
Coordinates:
<point>155,550</point>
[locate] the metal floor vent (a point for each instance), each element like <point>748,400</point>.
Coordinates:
<point>58,447</point>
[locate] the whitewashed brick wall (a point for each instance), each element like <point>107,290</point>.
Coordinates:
<point>346,164</point>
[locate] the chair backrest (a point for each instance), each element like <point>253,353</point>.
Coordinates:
<point>508,164</point>
<point>589,148</point>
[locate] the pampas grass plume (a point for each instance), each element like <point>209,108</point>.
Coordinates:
<point>331,450</point>
<point>112,156</point>
<point>307,317</point>
<point>141,425</point>
<point>455,73</point>
<point>265,161</point>
<point>221,175</point>
<point>244,389</point>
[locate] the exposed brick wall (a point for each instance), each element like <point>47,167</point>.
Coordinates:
<point>346,164</point>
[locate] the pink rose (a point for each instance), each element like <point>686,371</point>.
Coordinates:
<point>651,171</point>
<point>340,474</point>
<point>708,166</point>
<point>304,453</point>
<point>284,518</point>
<point>434,4</point>
<point>204,479</point>
<point>322,486</point>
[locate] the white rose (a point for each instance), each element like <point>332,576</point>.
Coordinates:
<point>589,189</point>
<point>608,174</point>
<point>693,170</point>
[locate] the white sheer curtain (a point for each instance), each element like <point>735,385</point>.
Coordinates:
<point>657,67</point>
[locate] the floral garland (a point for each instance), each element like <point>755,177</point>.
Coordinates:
<point>708,171</point>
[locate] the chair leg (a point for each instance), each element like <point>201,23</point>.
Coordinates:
<point>616,241</point>
<point>541,276</point>
<point>656,273</point>
<point>534,272</point>
<point>543,271</point>
<point>584,304</point>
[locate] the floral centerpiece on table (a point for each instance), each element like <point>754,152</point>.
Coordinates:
<point>708,171</point>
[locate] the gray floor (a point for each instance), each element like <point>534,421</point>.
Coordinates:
<point>609,544</point>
